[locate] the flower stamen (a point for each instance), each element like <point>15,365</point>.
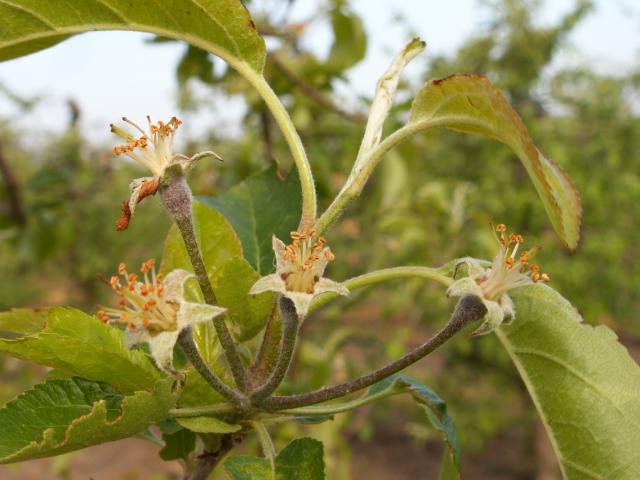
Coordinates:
<point>141,304</point>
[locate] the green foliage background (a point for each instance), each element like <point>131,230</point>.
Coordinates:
<point>431,200</point>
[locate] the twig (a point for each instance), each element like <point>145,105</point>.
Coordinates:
<point>269,349</point>
<point>208,461</point>
<point>13,191</point>
<point>469,309</point>
<point>177,199</point>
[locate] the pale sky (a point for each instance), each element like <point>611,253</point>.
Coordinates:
<point>111,74</point>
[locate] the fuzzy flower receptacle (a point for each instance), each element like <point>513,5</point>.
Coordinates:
<point>153,149</point>
<point>508,271</point>
<point>299,271</point>
<point>152,308</point>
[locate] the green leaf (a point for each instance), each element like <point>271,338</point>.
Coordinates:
<point>583,383</point>
<point>258,208</point>
<point>208,425</point>
<point>222,27</point>
<point>77,344</point>
<point>178,445</point>
<point>302,459</point>
<point>248,313</point>
<point>245,467</point>
<point>65,415</point>
<point>196,391</point>
<point>350,40</point>
<point>471,104</point>
<point>216,238</point>
<point>432,404</point>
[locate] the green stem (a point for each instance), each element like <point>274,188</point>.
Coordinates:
<point>177,199</point>
<point>291,322</point>
<point>309,208</point>
<point>384,275</point>
<point>204,410</point>
<point>362,171</point>
<point>469,309</point>
<point>268,448</point>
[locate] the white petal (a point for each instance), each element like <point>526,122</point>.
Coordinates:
<point>161,347</point>
<point>278,248</point>
<point>269,283</point>
<point>464,286</point>
<point>493,318</point>
<point>301,300</point>
<point>173,284</point>
<point>324,285</point>
<point>134,187</point>
<point>194,313</point>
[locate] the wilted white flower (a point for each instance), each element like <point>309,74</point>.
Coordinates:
<point>153,150</point>
<point>508,271</point>
<point>299,269</point>
<point>154,310</point>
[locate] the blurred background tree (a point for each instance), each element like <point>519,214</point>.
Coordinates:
<point>431,200</point>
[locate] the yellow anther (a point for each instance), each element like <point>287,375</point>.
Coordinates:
<point>122,269</point>
<point>147,266</point>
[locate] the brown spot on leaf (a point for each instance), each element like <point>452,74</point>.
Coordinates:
<point>438,81</point>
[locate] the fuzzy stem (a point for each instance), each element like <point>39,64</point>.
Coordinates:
<point>177,199</point>
<point>381,276</point>
<point>469,309</point>
<point>291,323</point>
<point>191,351</point>
<point>269,350</point>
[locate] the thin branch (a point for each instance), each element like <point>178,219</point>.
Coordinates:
<point>291,323</point>
<point>310,91</point>
<point>208,461</point>
<point>269,349</point>
<point>13,191</point>
<point>469,309</point>
<point>191,351</point>
<point>177,199</point>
